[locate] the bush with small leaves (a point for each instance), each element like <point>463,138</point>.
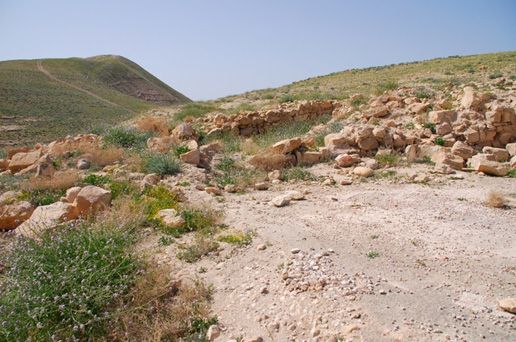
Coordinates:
<point>161,164</point>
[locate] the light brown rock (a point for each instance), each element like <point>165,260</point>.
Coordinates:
<point>23,160</point>
<point>192,157</point>
<point>481,163</point>
<point>71,194</point>
<point>286,146</point>
<point>170,218</point>
<point>511,148</point>
<point>363,171</point>
<point>508,304</point>
<point>46,217</point>
<point>12,215</point>
<point>92,199</point>
<point>499,154</point>
<point>462,150</point>
<point>346,160</point>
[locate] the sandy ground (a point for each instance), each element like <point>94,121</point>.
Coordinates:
<point>373,261</point>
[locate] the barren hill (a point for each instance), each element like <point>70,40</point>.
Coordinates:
<point>43,99</point>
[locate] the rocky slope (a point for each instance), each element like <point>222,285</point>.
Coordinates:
<point>389,218</point>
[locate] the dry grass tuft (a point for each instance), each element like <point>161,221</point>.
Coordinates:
<point>101,156</point>
<point>161,309</point>
<point>496,200</point>
<point>157,124</point>
<point>250,147</point>
<point>61,180</point>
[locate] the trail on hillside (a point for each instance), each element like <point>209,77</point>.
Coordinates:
<point>52,77</point>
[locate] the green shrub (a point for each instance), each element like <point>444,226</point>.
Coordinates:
<point>384,86</point>
<point>238,238</point>
<point>512,173</point>
<point>197,220</point>
<point>42,197</point>
<point>180,150</point>
<point>387,159</point>
<point>127,137</point>
<point>286,98</point>
<point>61,287</point>
<point>3,153</point>
<point>297,173</point>
<point>430,126</point>
<point>439,141</point>
<point>158,198</point>
<point>496,74</point>
<point>97,180</point>
<point>424,94</point>
<point>122,187</point>
<point>161,164</point>
<point>196,250</point>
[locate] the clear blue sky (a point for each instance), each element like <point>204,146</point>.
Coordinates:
<point>207,49</point>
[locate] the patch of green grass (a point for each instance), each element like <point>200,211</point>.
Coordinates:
<point>288,130</point>
<point>372,254</point>
<point>387,159</point>
<point>123,187</point>
<point>42,197</point>
<point>512,173</point>
<point>286,98</point>
<point>10,182</point>
<point>297,173</point>
<point>180,150</point>
<point>193,110</point>
<point>382,174</point>
<point>495,74</point>
<point>233,173</point>
<point>97,180</point>
<point>423,93</point>
<point>165,241</point>
<point>439,141</point>
<point>197,219</point>
<point>242,107</point>
<point>388,85</point>
<point>425,160</point>
<point>194,251</point>
<point>430,126</point>
<point>126,137</point>
<point>158,198</point>
<point>409,125</point>
<point>238,238</point>
<point>161,164</point>
<point>62,285</point>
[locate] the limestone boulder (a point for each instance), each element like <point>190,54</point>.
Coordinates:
<point>499,154</point>
<point>462,150</point>
<point>511,148</point>
<point>12,215</point>
<point>481,163</point>
<point>363,171</point>
<point>192,157</point>
<point>170,218</point>
<point>286,146</point>
<point>92,199</point>
<point>272,161</point>
<point>23,160</point>
<point>473,100</point>
<point>46,217</point>
<point>442,116</point>
<point>346,160</point>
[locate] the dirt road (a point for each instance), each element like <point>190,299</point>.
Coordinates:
<point>368,262</point>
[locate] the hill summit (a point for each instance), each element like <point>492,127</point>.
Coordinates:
<point>67,96</point>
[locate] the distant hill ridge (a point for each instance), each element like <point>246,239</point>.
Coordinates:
<point>44,99</point>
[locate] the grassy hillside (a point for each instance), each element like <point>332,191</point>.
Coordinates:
<point>41,100</point>
<point>435,73</point>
